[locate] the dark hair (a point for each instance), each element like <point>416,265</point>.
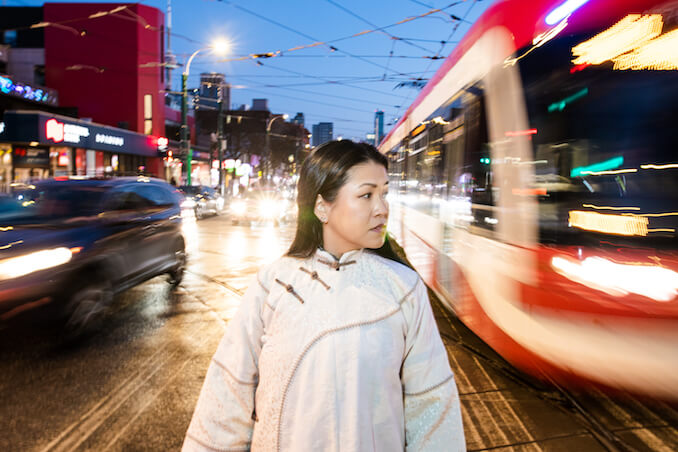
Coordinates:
<point>323,173</point>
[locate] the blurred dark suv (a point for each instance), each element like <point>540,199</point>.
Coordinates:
<point>68,246</point>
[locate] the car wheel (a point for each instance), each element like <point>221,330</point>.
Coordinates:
<point>176,275</point>
<point>87,306</point>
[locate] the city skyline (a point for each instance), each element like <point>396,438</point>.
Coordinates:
<point>344,81</point>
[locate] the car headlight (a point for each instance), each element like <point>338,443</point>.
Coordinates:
<point>238,207</point>
<point>268,208</point>
<point>15,267</point>
<point>188,203</point>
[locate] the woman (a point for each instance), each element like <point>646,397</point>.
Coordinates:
<point>335,347</point>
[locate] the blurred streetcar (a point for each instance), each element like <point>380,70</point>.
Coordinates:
<point>534,185</point>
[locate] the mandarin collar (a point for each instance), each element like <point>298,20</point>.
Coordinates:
<point>328,260</point>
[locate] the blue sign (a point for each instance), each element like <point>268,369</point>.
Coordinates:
<point>24,91</point>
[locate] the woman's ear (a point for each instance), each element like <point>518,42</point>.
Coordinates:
<point>320,209</point>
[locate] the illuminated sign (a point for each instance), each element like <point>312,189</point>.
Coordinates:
<point>607,165</point>
<point>2,127</point>
<point>564,11</point>
<point>54,130</point>
<point>68,133</point>
<point>609,223</point>
<point>163,142</point>
<point>31,157</point>
<point>28,92</point>
<point>560,105</point>
<point>63,159</point>
<point>109,139</point>
<point>634,43</point>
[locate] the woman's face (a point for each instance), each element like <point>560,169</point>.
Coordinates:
<point>357,217</point>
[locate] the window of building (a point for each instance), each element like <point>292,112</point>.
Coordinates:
<point>148,114</point>
<point>39,74</point>
<point>9,38</point>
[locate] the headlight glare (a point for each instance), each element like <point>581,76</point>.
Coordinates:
<point>15,267</point>
<point>238,207</point>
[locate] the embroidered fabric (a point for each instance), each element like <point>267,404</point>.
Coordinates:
<point>368,323</point>
<point>433,419</point>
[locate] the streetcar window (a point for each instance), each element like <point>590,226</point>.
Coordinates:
<point>605,142</point>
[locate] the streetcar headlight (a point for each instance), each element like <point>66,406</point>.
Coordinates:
<point>658,283</point>
<point>15,267</point>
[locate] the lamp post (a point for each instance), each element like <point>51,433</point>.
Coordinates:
<point>268,141</point>
<point>219,47</point>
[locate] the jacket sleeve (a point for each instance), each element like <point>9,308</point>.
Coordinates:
<point>432,407</point>
<point>223,416</point>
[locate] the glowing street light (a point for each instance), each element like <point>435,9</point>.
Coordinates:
<point>219,47</point>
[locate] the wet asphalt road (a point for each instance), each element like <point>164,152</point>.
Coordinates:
<point>133,386</point>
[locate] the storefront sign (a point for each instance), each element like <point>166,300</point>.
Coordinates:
<point>31,157</point>
<point>68,133</point>
<point>109,139</point>
<point>14,88</point>
<point>48,129</point>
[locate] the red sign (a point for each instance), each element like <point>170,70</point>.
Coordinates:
<point>54,130</point>
<point>63,159</point>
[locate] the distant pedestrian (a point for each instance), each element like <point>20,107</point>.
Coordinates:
<point>334,347</point>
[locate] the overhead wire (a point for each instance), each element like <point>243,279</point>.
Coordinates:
<point>442,46</point>
<point>331,48</point>
<point>391,36</point>
<point>278,53</point>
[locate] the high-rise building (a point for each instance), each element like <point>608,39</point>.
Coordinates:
<point>322,133</point>
<point>260,104</point>
<point>213,85</point>
<point>299,119</point>
<point>378,127</point>
<point>369,138</point>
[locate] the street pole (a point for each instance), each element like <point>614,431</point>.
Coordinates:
<point>268,149</point>
<point>269,154</point>
<point>185,145</point>
<point>220,139</point>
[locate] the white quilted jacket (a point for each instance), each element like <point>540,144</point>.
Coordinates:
<point>327,355</point>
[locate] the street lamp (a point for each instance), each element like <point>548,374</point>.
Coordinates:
<point>268,140</point>
<point>219,47</point>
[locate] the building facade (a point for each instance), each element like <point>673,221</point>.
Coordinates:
<point>81,91</point>
<point>378,127</point>
<point>322,133</point>
<point>299,119</point>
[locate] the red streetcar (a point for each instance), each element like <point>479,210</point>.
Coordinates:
<point>535,188</point>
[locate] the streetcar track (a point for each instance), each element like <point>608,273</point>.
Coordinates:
<point>216,281</point>
<point>560,397</point>
<point>113,398</point>
<point>90,422</point>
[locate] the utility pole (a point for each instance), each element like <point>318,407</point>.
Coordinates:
<point>221,142</point>
<point>186,149</point>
